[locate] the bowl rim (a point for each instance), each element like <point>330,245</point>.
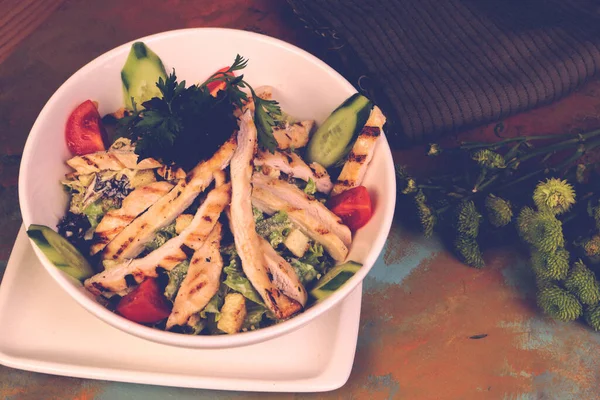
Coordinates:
<point>205,341</point>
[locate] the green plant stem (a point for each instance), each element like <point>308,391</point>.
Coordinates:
<point>486,183</point>
<point>497,145</point>
<point>556,147</point>
<point>574,157</point>
<point>431,187</point>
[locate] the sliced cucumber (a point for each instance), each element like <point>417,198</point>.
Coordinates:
<point>60,252</point>
<point>333,139</point>
<point>140,74</point>
<point>334,279</point>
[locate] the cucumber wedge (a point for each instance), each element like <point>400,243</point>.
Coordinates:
<point>332,141</point>
<point>60,252</point>
<point>140,74</point>
<point>334,279</point>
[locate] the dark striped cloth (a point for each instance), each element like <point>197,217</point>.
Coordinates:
<point>441,66</point>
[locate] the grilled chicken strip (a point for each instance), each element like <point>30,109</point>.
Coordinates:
<point>130,242</point>
<point>297,199</point>
<point>114,160</point>
<point>292,164</point>
<point>201,282</point>
<point>133,205</point>
<point>312,227</point>
<point>283,273</point>
<point>293,135</point>
<point>361,154</point>
<point>247,241</point>
<point>167,256</point>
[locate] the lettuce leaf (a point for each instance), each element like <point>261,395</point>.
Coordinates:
<point>311,187</point>
<point>77,188</point>
<point>306,272</point>
<point>254,316</point>
<point>275,228</point>
<point>237,281</point>
<point>94,212</point>
<point>258,215</point>
<point>316,256</point>
<point>215,304</point>
<point>161,237</point>
<point>176,276</point>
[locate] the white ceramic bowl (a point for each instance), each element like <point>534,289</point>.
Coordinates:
<point>305,86</point>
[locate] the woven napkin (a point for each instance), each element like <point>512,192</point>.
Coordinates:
<point>441,66</point>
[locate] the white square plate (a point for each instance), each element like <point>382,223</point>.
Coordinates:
<point>45,330</point>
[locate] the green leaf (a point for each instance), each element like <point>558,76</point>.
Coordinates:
<point>306,272</point>
<point>94,212</point>
<point>254,315</point>
<point>311,187</point>
<point>176,276</point>
<point>161,237</point>
<point>266,112</point>
<point>275,228</point>
<point>237,281</point>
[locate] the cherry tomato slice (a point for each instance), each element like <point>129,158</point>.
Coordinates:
<point>215,86</point>
<point>353,206</point>
<point>84,131</point>
<point>146,304</point>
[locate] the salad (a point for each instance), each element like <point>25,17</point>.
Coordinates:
<point>206,208</point>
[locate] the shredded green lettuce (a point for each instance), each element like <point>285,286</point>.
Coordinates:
<point>215,304</point>
<point>316,256</point>
<point>94,212</point>
<point>311,187</point>
<point>257,214</point>
<point>275,228</point>
<point>161,237</point>
<point>176,276</point>
<point>77,188</point>
<point>254,315</point>
<point>237,281</point>
<point>306,272</point>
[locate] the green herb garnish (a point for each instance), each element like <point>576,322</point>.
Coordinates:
<point>186,125</point>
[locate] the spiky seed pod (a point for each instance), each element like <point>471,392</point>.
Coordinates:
<point>583,284</point>
<point>545,233</point>
<point>591,248</point>
<point>427,218</point>
<point>555,196</point>
<point>499,211</point>
<point>467,219</point>
<point>558,303</point>
<point>550,266</point>
<point>406,183</point>
<point>488,159</point>
<point>592,316</point>
<point>542,282</point>
<point>467,250</point>
<point>524,223</point>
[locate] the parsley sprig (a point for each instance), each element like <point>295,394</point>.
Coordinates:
<point>187,124</point>
<point>266,112</point>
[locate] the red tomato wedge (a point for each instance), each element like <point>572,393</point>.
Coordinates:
<point>84,131</point>
<point>353,206</point>
<point>215,86</point>
<point>146,304</point>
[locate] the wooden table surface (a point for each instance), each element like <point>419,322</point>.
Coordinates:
<point>420,306</point>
